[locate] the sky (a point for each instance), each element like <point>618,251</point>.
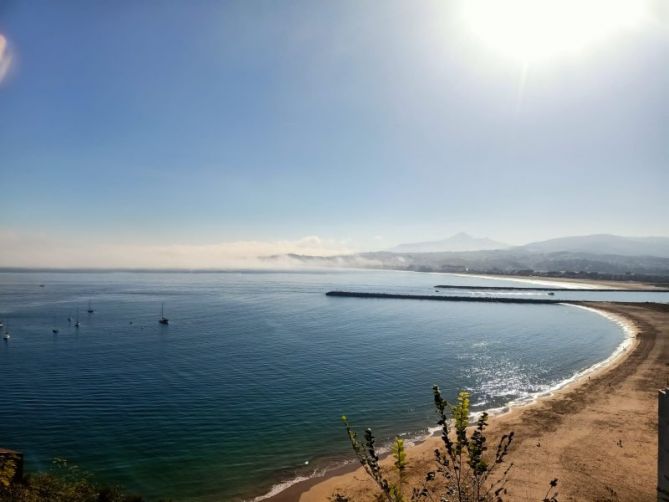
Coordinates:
<point>147,133</point>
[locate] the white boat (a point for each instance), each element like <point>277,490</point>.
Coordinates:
<point>76,323</point>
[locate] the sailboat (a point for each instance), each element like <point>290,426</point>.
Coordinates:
<point>90,309</point>
<point>76,323</point>
<point>6,336</point>
<point>163,319</point>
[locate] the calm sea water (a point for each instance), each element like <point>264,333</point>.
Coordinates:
<point>248,381</point>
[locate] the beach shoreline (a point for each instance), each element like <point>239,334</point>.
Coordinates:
<point>315,487</point>
<point>569,283</point>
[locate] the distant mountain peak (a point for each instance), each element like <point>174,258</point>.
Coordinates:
<point>461,241</point>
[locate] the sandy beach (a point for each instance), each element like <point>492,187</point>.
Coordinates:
<point>570,283</point>
<point>597,435</point>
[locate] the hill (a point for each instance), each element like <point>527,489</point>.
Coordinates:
<point>603,244</point>
<point>458,242</point>
<point>595,256</point>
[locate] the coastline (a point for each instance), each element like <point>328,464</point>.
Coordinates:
<point>624,348</point>
<point>291,489</point>
<point>317,486</point>
<point>566,282</point>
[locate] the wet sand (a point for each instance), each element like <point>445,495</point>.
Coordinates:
<point>598,435</point>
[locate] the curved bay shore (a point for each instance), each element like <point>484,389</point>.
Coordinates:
<point>597,435</point>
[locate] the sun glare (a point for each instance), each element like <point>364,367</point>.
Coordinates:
<point>539,30</point>
<point>5,57</point>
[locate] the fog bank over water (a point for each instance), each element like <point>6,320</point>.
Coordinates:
<point>40,250</point>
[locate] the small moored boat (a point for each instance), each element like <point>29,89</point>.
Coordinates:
<point>163,319</point>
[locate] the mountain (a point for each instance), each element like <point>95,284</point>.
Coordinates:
<point>457,242</point>
<point>603,244</point>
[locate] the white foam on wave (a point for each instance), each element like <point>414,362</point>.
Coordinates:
<point>411,440</point>
<point>279,487</point>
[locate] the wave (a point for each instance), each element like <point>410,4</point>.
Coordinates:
<point>279,487</point>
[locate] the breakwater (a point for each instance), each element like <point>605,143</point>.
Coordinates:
<point>484,299</point>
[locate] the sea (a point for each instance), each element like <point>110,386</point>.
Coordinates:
<point>242,392</point>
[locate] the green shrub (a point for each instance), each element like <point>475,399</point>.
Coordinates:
<point>63,483</point>
<point>464,472</point>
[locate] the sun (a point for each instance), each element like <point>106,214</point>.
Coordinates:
<point>538,30</point>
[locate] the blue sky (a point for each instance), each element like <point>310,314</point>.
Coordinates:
<point>361,123</point>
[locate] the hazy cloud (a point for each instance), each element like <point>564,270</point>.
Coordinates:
<point>39,250</point>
